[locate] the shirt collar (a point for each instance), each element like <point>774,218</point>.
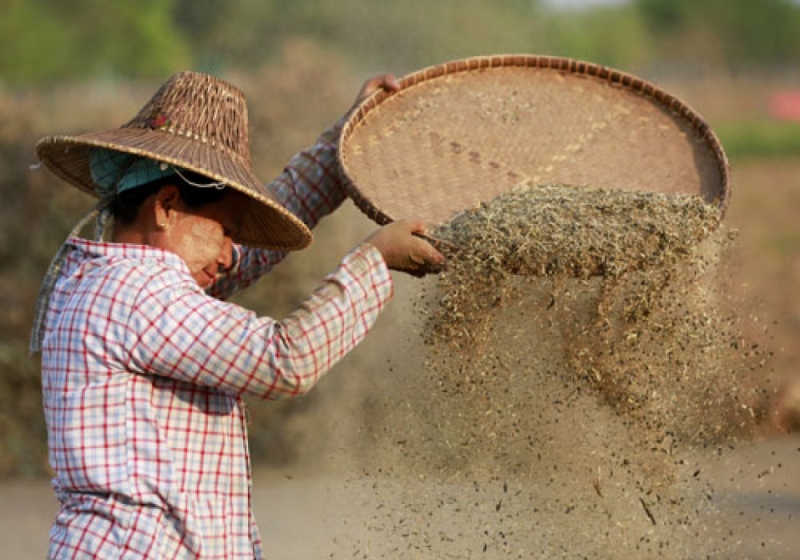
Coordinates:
<point>125,251</point>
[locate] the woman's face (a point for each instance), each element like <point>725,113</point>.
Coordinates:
<point>203,238</point>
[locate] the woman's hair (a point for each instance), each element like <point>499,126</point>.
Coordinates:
<point>126,205</point>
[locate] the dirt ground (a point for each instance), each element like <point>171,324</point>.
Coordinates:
<point>330,514</point>
<point>754,515</point>
<point>378,477</point>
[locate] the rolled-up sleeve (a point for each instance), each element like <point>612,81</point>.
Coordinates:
<point>311,184</point>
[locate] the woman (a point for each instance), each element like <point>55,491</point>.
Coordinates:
<point>144,363</point>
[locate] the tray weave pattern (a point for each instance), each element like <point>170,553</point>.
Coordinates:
<point>463,132</point>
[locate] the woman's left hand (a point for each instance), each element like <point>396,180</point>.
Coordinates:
<point>386,82</point>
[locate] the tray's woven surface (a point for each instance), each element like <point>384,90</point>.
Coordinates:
<point>466,131</point>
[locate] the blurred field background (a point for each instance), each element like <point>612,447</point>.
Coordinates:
<point>70,67</point>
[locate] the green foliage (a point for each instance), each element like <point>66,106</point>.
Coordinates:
<point>43,41</point>
<point>403,33</point>
<point>733,34</point>
<point>760,138</point>
<point>26,57</point>
<point>611,36</point>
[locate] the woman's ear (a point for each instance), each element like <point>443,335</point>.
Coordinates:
<point>166,202</point>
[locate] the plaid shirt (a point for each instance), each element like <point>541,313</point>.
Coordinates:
<point>143,374</point>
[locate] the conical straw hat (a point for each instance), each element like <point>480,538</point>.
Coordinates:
<point>195,122</point>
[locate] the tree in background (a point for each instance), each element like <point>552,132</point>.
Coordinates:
<point>44,41</point>
<point>614,36</point>
<point>402,34</point>
<point>734,35</point>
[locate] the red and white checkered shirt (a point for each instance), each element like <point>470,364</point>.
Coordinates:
<point>143,374</point>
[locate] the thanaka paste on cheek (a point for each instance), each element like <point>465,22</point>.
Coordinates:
<point>200,245</point>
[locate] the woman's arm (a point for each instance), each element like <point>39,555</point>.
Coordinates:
<point>310,186</point>
<point>181,333</point>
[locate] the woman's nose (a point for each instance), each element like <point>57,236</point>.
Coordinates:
<point>225,260</point>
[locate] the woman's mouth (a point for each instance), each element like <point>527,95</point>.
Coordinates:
<point>206,279</point>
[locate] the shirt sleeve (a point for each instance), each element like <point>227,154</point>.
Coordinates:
<point>311,188</point>
<point>311,184</point>
<point>184,334</point>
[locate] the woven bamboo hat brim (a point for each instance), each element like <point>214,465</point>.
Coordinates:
<point>195,122</point>
<point>463,132</point>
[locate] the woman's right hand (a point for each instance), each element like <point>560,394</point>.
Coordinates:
<point>404,250</point>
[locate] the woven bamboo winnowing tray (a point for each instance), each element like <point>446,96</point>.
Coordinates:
<point>463,132</point>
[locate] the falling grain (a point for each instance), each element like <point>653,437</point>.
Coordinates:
<point>574,331</point>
